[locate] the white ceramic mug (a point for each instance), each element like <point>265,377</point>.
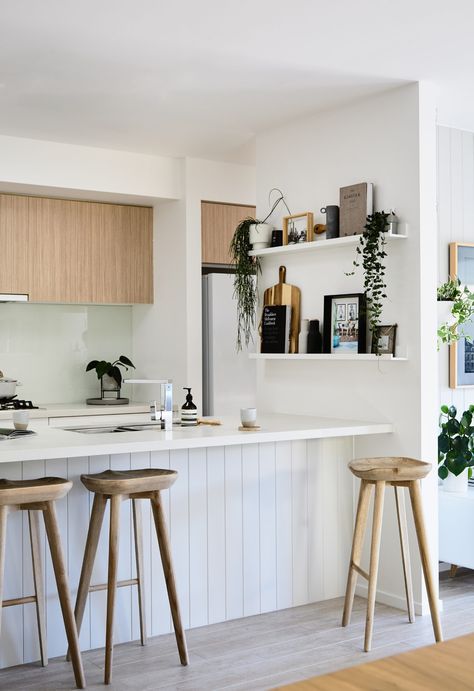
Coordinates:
<point>21,419</point>
<point>248,417</point>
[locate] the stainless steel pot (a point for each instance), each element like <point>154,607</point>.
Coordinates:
<point>8,387</point>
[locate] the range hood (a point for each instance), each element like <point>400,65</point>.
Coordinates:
<point>14,297</point>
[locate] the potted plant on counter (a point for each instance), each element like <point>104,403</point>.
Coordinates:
<point>456,309</point>
<point>110,377</point>
<point>455,448</point>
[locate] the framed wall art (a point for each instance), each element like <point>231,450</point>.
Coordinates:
<point>461,353</point>
<point>298,228</point>
<point>345,324</point>
<point>385,335</point>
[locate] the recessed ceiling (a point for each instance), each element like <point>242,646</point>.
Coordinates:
<point>202,78</point>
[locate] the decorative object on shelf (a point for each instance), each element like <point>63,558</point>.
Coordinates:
<point>392,220</point>
<point>285,294</point>
<point>276,320</point>
<point>455,447</point>
<point>372,249</point>
<point>298,228</point>
<point>332,221</point>
<point>303,337</point>
<point>383,340</point>
<point>356,203</point>
<point>189,410</point>
<point>345,323</point>
<point>277,238</point>
<point>260,235</point>
<point>246,272</point>
<point>110,377</point>
<point>315,340</point>
<point>319,228</point>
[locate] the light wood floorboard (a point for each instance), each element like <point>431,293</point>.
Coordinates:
<point>260,652</point>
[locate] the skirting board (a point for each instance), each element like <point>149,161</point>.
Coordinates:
<point>393,600</point>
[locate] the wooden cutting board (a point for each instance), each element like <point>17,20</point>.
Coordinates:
<point>285,294</point>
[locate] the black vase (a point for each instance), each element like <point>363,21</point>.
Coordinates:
<point>315,340</point>
<point>332,221</point>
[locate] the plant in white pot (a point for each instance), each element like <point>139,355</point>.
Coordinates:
<point>455,308</point>
<point>455,448</point>
<point>109,374</point>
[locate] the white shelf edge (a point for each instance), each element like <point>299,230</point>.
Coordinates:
<point>326,356</point>
<point>316,245</point>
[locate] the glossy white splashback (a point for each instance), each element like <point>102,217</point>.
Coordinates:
<point>47,347</point>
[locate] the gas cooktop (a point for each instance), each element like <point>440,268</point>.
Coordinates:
<point>16,404</point>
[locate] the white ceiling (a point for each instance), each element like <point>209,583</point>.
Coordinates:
<point>202,78</point>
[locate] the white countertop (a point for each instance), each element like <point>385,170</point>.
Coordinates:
<point>79,409</point>
<point>57,443</point>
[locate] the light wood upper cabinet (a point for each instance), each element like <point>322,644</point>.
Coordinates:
<point>218,223</point>
<point>73,251</point>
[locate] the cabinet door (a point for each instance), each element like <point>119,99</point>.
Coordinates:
<point>13,244</point>
<point>218,223</point>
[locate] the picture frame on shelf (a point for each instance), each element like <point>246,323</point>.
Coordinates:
<point>348,335</point>
<point>386,337</point>
<point>461,353</point>
<point>298,228</point>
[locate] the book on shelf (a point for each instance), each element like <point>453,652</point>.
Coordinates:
<point>356,203</point>
<point>276,320</point>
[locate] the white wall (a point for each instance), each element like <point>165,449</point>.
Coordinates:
<point>377,140</point>
<point>47,348</point>
<point>455,223</point>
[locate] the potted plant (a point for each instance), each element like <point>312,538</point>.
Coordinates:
<point>371,254</point>
<point>455,448</point>
<point>460,311</point>
<point>109,374</point>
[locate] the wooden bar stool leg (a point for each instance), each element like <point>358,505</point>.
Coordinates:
<point>93,534</point>
<point>402,529</point>
<point>33,520</point>
<point>357,544</point>
<point>165,551</point>
<point>3,543</point>
<point>417,506</point>
<point>138,536</point>
<point>374,561</point>
<point>54,539</point>
<point>115,501</point>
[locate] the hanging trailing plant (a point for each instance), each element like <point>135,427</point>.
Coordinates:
<point>246,272</point>
<point>245,284</point>
<point>371,254</point>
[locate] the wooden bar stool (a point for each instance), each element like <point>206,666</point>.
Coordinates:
<point>34,496</point>
<point>398,472</point>
<point>118,486</point>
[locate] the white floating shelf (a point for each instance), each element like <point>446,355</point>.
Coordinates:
<point>317,245</point>
<point>326,356</point>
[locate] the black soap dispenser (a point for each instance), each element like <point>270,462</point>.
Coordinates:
<point>189,410</point>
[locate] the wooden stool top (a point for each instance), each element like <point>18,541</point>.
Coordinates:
<point>129,481</point>
<point>14,492</point>
<point>390,469</point>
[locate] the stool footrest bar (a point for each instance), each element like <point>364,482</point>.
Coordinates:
<point>360,571</point>
<point>19,601</point>
<point>120,584</point>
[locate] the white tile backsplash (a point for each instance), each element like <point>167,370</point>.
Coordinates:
<point>47,347</point>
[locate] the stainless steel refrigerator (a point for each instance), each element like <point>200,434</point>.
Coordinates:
<point>229,377</point>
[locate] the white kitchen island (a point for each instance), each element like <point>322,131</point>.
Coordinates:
<point>259,521</point>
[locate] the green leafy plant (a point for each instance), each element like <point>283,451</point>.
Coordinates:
<point>245,284</point>
<point>371,254</point>
<point>462,311</point>
<point>455,441</point>
<point>111,368</point>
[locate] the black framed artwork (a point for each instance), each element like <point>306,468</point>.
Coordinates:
<point>345,324</point>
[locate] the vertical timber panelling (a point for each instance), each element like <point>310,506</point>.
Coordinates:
<point>254,527</point>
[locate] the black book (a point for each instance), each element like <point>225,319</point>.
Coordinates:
<point>276,329</point>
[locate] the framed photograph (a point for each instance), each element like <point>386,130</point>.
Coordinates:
<point>461,353</point>
<point>298,228</point>
<point>385,335</point>
<point>348,335</point>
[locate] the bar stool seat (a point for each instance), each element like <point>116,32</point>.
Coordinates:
<point>128,482</point>
<point>35,496</point>
<point>30,491</point>
<point>399,472</point>
<point>116,486</point>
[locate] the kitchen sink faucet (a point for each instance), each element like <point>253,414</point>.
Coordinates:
<point>164,416</point>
